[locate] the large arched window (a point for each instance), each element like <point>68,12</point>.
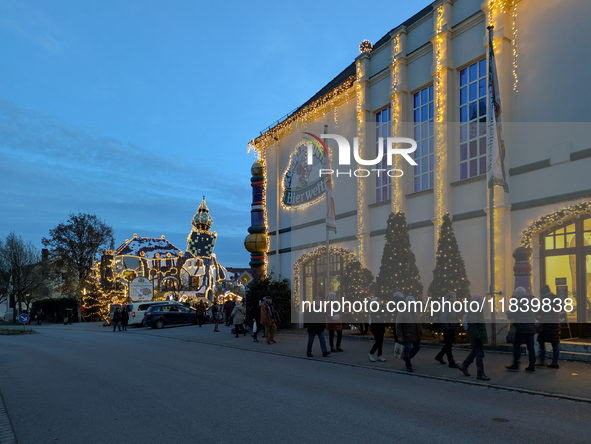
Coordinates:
<point>566,265</point>
<point>315,276</point>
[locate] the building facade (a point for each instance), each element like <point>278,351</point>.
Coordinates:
<point>426,79</point>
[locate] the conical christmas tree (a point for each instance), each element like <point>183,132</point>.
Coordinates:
<point>357,282</point>
<point>399,269</point>
<point>450,271</point>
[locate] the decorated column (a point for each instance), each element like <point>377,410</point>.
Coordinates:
<point>256,242</point>
<point>522,269</point>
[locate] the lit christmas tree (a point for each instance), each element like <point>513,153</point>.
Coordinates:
<point>398,269</point>
<point>357,282</point>
<point>450,271</point>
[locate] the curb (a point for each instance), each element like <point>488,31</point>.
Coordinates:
<point>6,431</point>
<point>399,372</point>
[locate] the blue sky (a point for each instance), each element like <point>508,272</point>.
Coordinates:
<point>133,110</point>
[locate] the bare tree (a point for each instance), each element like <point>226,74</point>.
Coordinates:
<point>22,272</point>
<point>74,246</point>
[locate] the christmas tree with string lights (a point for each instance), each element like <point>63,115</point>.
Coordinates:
<point>450,271</point>
<point>398,269</point>
<point>357,282</point>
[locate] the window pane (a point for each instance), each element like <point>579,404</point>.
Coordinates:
<point>431,93</point>
<point>463,171</point>
<point>463,133</point>
<point>463,96</point>
<point>549,243</point>
<point>417,184</point>
<point>473,149</point>
<point>473,168</point>
<point>482,161</point>
<point>424,114</point>
<point>473,91</point>
<point>482,107</point>
<point>425,130</point>
<point>463,152</point>
<point>473,114</point>
<point>482,87</point>
<point>463,77</point>
<point>559,241</point>
<point>464,114</point>
<point>430,110</point>
<point>482,64</point>
<point>417,117</point>
<point>425,183</point>
<point>473,130</point>
<point>570,228</point>
<point>571,241</point>
<point>417,132</point>
<point>482,146</point>
<point>431,146</point>
<point>417,102</point>
<point>424,96</point>
<point>430,180</point>
<point>587,225</point>
<point>473,72</point>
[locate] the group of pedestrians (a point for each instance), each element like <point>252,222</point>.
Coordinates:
<point>120,319</point>
<point>264,317</point>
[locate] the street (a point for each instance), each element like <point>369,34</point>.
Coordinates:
<point>84,383</point>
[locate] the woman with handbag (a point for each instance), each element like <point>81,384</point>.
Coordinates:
<point>238,318</point>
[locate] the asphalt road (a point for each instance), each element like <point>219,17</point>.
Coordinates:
<point>86,384</point>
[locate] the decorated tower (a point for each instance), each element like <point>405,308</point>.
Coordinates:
<point>201,241</point>
<point>256,242</point>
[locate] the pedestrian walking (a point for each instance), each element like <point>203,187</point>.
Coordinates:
<point>228,312</point>
<point>269,319</point>
<point>238,319</point>
<point>124,318</point>
<point>117,319</point>
<point>449,322</point>
<point>216,313</point>
<point>40,316</point>
<point>549,331</point>
<point>55,317</point>
<point>409,331</point>
<point>200,309</point>
<point>334,325</point>
<point>315,323</point>
<point>478,337</point>
<point>255,315</point>
<point>524,320</point>
<point>378,329</point>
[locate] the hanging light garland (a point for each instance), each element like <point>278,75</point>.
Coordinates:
<point>361,141</point>
<point>558,218</point>
<point>440,157</point>
<point>514,46</point>
<point>395,107</point>
<point>348,255</point>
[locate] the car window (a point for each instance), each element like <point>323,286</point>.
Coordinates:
<point>183,309</point>
<point>173,308</point>
<point>143,307</point>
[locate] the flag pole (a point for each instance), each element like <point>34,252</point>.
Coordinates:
<point>491,210</point>
<point>327,248</point>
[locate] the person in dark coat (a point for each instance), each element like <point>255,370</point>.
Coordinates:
<point>316,323</point>
<point>255,316</point>
<point>117,319</point>
<point>449,321</point>
<point>525,330</point>
<point>334,324</point>
<point>409,332</point>
<point>478,337</point>
<point>378,329</point>
<point>40,315</point>
<point>216,313</point>
<point>549,331</point>
<point>124,318</point>
<point>228,311</point>
<point>200,309</point>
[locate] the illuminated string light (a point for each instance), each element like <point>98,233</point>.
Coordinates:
<point>361,143</point>
<point>395,107</point>
<point>558,218</point>
<point>440,147</point>
<point>347,255</point>
<point>514,47</point>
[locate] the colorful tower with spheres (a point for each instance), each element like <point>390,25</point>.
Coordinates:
<point>256,243</point>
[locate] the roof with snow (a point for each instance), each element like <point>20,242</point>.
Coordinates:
<point>149,246</point>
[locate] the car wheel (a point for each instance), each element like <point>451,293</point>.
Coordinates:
<point>159,324</point>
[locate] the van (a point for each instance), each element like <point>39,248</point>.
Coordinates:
<point>136,310</point>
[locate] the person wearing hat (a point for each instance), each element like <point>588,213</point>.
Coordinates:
<point>269,319</point>
<point>448,327</point>
<point>549,330</point>
<point>238,318</point>
<point>409,332</point>
<point>524,320</point>
<point>334,324</point>
<point>378,329</point>
<point>478,337</point>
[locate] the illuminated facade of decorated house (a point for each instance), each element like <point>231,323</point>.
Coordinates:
<point>195,271</point>
<point>426,79</point>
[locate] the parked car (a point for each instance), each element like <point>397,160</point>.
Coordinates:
<point>137,310</point>
<point>157,316</point>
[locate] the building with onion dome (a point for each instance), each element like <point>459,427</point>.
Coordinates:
<point>192,273</point>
